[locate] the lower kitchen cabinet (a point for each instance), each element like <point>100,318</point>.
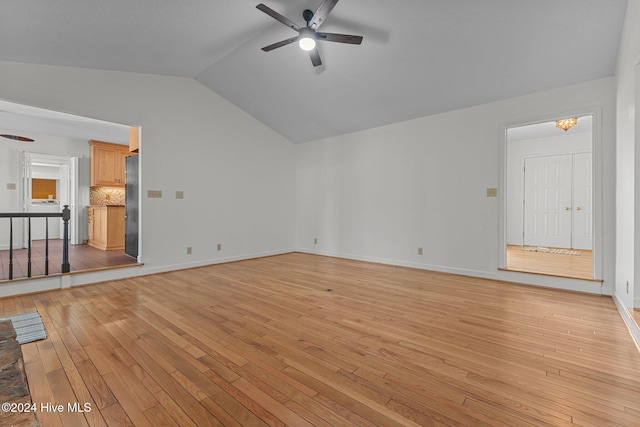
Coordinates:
<point>106,227</point>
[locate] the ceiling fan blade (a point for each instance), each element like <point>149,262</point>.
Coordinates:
<point>315,57</point>
<point>280,44</point>
<point>275,15</point>
<point>321,14</point>
<point>340,38</point>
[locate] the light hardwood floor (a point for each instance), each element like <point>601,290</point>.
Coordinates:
<point>575,266</point>
<point>300,340</point>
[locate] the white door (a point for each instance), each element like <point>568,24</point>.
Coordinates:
<point>25,192</point>
<point>64,197</point>
<point>547,206</point>
<point>582,202</point>
<point>74,226</point>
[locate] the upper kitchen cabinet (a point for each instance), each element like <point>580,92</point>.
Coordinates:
<point>107,164</point>
<point>134,139</point>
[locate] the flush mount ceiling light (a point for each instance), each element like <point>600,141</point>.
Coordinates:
<point>307,40</point>
<point>17,138</point>
<point>566,124</point>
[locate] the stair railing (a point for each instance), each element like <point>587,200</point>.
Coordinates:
<point>65,215</point>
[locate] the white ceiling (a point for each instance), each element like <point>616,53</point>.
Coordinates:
<point>418,57</point>
<point>32,121</point>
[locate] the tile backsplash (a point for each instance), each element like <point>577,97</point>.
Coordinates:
<point>106,196</point>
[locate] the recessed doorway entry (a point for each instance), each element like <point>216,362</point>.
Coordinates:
<point>549,199</point>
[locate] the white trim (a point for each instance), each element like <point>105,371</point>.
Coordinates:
<point>140,193</point>
<point>212,261</point>
<point>634,330</point>
<point>597,179</point>
<point>24,286</point>
<point>562,283</point>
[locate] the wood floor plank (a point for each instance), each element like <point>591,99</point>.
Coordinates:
<point>578,266</point>
<point>100,392</point>
<point>81,395</point>
<point>158,416</point>
<point>61,388</point>
<point>114,415</point>
<point>300,339</point>
<point>41,393</point>
<point>174,410</point>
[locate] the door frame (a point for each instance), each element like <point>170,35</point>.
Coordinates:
<point>597,180</point>
<point>26,160</point>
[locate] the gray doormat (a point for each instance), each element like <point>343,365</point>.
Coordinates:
<point>28,327</point>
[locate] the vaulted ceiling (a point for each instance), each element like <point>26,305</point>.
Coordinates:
<point>418,57</point>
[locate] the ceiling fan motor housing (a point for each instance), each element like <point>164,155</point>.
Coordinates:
<point>307,15</point>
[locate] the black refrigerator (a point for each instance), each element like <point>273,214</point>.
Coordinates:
<point>131,226</point>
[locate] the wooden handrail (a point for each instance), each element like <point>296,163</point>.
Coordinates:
<point>65,215</point>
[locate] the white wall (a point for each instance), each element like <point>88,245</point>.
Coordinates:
<point>237,175</point>
<point>628,161</point>
<point>380,194</point>
<point>517,151</point>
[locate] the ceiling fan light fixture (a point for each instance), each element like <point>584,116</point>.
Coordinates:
<point>307,40</point>
<point>566,124</point>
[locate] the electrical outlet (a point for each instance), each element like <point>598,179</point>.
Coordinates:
<point>627,286</point>
<point>315,241</point>
<point>492,192</point>
<point>179,194</point>
<point>154,194</point>
<point>219,246</point>
<point>189,250</point>
<point>419,251</point>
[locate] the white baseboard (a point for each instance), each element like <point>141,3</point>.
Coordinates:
<point>401,263</point>
<point>634,330</point>
<point>211,261</point>
<point>577,285</point>
<point>30,286</point>
<point>23,286</point>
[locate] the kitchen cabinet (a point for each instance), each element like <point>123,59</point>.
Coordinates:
<point>134,139</point>
<point>106,227</point>
<point>107,164</point>
<point>90,222</point>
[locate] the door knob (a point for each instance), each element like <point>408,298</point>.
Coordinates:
<point>578,208</point>
<point>567,208</point>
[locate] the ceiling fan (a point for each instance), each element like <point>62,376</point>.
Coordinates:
<point>307,36</point>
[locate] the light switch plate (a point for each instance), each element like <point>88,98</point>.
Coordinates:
<point>179,194</point>
<point>11,186</point>
<point>492,192</point>
<point>154,194</point>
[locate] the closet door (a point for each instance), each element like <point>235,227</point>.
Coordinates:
<point>582,202</point>
<point>547,201</point>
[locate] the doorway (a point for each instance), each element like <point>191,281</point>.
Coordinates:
<point>549,199</point>
<point>59,149</point>
<point>47,185</point>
